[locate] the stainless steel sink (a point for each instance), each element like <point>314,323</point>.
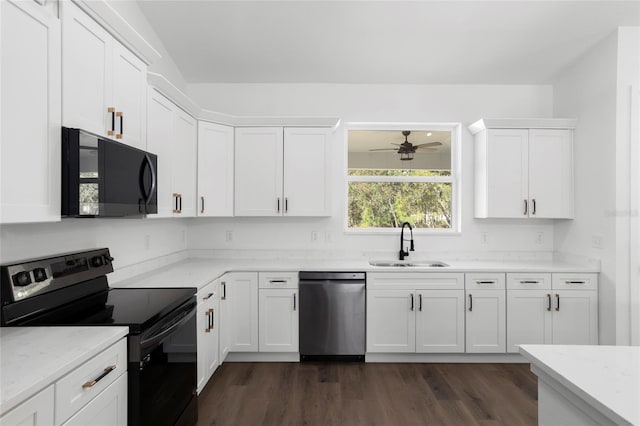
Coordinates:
<point>414,264</point>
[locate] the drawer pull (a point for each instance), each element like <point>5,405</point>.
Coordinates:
<point>529,282</point>
<point>557,302</point>
<point>278,281</point>
<point>470,303</point>
<point>208,314</point>
<point>208,296</point>
<point>411,301</point>
<point>485,282</point>
<point>106,371</point>
<point>548,302</point>
<point>211,319</point>
<point>224,290</point>
<point>575,282</point>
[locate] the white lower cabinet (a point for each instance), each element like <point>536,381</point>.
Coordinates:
<point>107,409</point>
<point>278,320</point>
<point>563,311</point>
<point>36,411</point>
<point>415,313</point>
<point>241,293</point>
<point>208,324</point>
<point>224,330</point>
<point>485,313</point>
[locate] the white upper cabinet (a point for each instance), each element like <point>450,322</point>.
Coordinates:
<point>30,90</point>
<point>258,171</point>
<point>172,136</point>
<point>281,171</point>
<point>524,172</point>
<point>104,83</point>
<point>215,170</point>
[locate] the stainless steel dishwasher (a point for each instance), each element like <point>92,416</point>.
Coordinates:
<point>332,315</point>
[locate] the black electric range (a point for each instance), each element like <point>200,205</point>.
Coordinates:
<point>72,289</point>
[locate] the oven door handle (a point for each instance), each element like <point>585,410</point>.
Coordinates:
<point>158,337</point>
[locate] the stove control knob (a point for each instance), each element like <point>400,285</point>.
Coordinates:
<point>97,261</point>
<point>109,259</point>
<point>21,279</point>
<point>39,274</point>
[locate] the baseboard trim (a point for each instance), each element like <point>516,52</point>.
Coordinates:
<point>263,357</point>
<point>446,358</point>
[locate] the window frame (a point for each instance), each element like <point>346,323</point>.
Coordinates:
<point>455,179</point>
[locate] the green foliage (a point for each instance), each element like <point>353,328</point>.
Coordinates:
<point>389,204</point>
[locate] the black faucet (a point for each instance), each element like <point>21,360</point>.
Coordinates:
<point>404,253</point>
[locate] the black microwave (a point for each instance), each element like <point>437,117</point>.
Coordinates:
<point>105,178</point>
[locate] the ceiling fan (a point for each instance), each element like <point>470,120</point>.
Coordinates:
<point>406,149</point>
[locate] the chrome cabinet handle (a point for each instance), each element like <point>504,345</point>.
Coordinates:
<point>412,301</point>
<point>294,301</point>
<point>526,207</point>
<point>470,302</point>
<point>533,212</point>
<point>202,201</point>
<point>112,111</point>
<point>485,282</point>
<point>224,290</point>
<point>548,302</point>
<point>420,302</point>
<point>93,382</point>
<point>278,281</point>
<point>529,282</point>
<point>286,204</point>
<point>557,302</point>
<point>175,200</point>
<point>575,282</point>
<point>278,204</point>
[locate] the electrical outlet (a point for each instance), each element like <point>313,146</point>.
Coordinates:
<point>539,237</point>
<point>484,238</point>
<point>314,235</point>
<point>229,236</point>
<point>596,241</point>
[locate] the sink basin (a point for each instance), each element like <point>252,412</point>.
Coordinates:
<point>402,264</point>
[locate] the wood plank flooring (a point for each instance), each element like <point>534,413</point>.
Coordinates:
<point>369,394</point>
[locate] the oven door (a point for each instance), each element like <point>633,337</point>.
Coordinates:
<point>162,371</point>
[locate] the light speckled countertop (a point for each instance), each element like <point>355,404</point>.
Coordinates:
<point>32,358</point>
<point>605,377</point>
<point>197,272</point>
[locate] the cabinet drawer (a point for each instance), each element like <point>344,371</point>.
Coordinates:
<point>484,281</point>
<point>71,393</point>
<point>278,279</point>
<point>575,281</point>
<point>526,281</point>
<point>209,292</point>
<point>415,280</point>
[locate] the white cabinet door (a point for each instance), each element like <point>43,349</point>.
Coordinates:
<point>87,72</point>
<point>485,321</point>
<point>507,173</point>
<point>278,320</point>
<point>224,321</point>
<point>440,321</point>
<point>529,318</point>
<point>159,132</point>
<point>30,90</point>
<point>391,321</point>
<point>36,411</point>
<point>242,305</point>
<point>184,163</point>
<point>130,97</point>
<point>109,408</point>
<point>215,170</point>
<point>258,171</point>
<point>551,173</point>
<point>575,317</point>
<point>306,171</point>
<point>208,324</point>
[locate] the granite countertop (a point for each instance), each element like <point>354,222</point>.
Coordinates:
<point>198,272</point>
<point>32,358</point>
<point>605,377</point>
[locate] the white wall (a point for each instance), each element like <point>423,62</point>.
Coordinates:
<point>374,103</point>
<point>129,240</point>
<point>595,89</point>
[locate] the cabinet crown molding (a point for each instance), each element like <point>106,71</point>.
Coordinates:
<point>522,123</point>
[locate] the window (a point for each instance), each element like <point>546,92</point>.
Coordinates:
<point>402,173</point>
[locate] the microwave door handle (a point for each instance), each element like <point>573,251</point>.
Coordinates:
<point>153,179</point>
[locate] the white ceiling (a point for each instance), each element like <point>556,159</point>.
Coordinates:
<point>422,42</point>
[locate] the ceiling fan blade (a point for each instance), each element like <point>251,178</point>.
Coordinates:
<point>422,149</point>
<point>429,144</point>
<point>383,149</point>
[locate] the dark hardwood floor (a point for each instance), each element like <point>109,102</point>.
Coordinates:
<point>369,394</point>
